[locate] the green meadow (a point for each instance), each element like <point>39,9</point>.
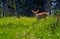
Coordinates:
<point>29,28</point>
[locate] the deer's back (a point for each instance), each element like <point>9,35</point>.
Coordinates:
<point>41,15</point>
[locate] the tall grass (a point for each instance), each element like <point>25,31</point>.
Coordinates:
<point>29,28</point>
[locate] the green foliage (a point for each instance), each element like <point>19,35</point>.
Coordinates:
<point>28,28</point>
<point>0,10</point>
<point>57,11</point>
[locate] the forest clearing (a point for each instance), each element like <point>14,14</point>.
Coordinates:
<point>29,19</point>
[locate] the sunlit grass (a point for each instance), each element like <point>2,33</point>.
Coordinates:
<point>29,28</point>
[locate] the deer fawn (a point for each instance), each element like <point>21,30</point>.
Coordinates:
<point>40,15</point>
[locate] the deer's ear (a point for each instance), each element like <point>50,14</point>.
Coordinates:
<point>32,10</point>
<point>38,10</point>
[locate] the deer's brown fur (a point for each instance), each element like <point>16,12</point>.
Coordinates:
<point>39,15</point>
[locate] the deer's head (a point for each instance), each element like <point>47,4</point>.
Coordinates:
<point>35,11</point>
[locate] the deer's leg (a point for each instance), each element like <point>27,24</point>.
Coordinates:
<point>38,19</point>
<point>45,18</point>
